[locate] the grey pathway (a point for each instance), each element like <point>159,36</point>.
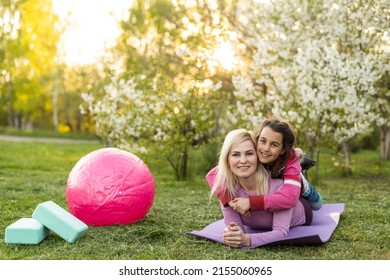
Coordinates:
<point>45,139</point>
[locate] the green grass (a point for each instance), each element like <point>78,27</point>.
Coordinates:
<point>31,173</point>
<point>44,133</point>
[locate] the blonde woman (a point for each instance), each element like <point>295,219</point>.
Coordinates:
<point>239,174</point>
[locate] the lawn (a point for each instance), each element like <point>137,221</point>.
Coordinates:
<point>31,173</point>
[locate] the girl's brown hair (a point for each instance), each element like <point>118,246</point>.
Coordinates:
<point>287,133</point>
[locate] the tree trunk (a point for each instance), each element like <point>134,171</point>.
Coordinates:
<point>385,142</point>
<point>347,158</point>
<point>179,166</point>
<point>316,146</point>
<point>182,172</point>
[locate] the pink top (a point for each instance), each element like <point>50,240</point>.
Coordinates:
<point>276,223</point>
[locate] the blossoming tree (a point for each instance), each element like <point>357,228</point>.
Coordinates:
<point>317,64</point>
<point>173,90</point>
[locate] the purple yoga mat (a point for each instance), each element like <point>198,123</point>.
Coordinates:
<point>321,229</point>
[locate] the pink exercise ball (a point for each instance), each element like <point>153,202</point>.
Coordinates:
<point>110,186</point>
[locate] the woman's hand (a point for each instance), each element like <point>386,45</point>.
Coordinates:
<point>235,237</point>
<point>241,205</point>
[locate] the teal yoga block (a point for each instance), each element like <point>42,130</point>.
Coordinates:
<point>25,231</point>
<point>60,221</point>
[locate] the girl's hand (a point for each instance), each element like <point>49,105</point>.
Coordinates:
<point>241,205</point>
<point>231,203</point>
<point>235,237</point>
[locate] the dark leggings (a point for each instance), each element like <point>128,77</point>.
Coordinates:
<point>308,211</point>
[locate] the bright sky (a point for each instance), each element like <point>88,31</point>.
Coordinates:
<point>93,27</point>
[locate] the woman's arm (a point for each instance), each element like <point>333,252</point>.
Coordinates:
<point>280,229</point>
<point>232,216</point>
<point>234,236</point>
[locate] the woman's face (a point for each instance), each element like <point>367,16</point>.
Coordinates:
<point>243,159</point>
<point>269,146</point>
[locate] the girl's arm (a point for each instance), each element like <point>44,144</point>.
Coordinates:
<point>223,196</point>
<point>285,197</point>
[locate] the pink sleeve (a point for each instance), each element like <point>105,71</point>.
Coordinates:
<point>223,196</point>
<point>210,176</point>
<point>280,229</point>
<point>285,197</point>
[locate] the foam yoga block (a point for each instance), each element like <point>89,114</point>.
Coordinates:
<point>60,221</point>
<point>25,231</point>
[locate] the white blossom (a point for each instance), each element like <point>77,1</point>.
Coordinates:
<point>315,67</point>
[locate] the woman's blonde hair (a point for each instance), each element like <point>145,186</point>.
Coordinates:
<point>225,180</point>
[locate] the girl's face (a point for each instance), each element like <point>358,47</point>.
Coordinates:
<point>242,159</point>
<point>269,146</point>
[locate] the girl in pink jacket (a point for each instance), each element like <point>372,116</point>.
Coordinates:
<point>275,151</point>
